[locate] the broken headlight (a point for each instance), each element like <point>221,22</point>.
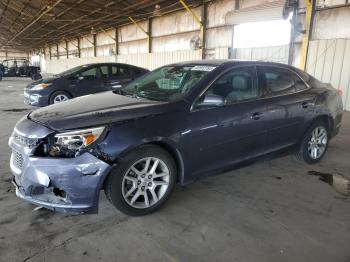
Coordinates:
<point>69,144</point>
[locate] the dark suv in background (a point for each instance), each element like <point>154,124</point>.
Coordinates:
<point>19,68</point>
<point>79,81</point>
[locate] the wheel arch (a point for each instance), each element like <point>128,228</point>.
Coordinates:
<point>327,119</point>
<point>167,146</point>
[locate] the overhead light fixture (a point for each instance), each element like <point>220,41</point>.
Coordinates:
<point>157,11</point>
<point>93,31</point>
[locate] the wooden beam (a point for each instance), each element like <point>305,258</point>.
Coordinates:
<point>74,30</point>
<point>78,43</point>
<point>58,15</point>
<point>95,44</point>
<point>116,41</point>
<point>44,11</point>
<point>149,35</point>
<point>67,53</point>
<point>137,24</point>
<point>204,28</point>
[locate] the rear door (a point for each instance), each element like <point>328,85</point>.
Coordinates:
<point>119,76</point>
<point>287,105</point>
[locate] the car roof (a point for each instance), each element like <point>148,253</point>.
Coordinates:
<point>110,63</point>
<point>219,62</point>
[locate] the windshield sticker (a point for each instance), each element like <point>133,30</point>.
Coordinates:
<point>203,68</point>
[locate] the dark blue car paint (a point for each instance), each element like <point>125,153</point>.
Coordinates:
<point>201,140</point>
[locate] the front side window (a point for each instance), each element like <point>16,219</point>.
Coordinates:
<point>235,86</point>
<point>279,81</point>
<point>168,83</point>
<point>90,73</point>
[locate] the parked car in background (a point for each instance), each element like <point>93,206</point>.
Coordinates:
<point>19,68</point>
<point>79,81</point>
<point>173,125</point>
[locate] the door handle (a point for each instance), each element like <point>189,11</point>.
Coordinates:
<point>256,116</point>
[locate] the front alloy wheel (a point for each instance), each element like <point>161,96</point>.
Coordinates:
<point>142,181</point>
<point>60,98</point>
<point>145,183</point>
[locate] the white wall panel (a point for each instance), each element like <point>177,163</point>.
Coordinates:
<point>220,37</point>
<point>60,65</point>
<point>173,42</point>
<point>217,12</point>
<point>333,23</point>
<point>133,47</point>
<point>175,23</point>
<point>273,53</point>
<point>154,60</point>
<point>329,61</point>
<point>132,32</point>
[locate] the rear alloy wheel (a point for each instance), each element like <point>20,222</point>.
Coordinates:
<point>59,97</point>
<point>143,182</point>
<point>314,144</point>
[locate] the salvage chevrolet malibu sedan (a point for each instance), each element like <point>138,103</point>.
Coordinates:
<point>173,125</point>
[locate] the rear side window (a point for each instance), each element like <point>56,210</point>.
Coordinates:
<point>104,71</point>
<point>121,71</point>
<point>138,71</point>
<point>280,81</point>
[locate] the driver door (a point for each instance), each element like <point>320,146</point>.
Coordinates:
<point>88,81</point>
<point>234,131</point>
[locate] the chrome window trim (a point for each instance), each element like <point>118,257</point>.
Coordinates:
<point>263,97</point>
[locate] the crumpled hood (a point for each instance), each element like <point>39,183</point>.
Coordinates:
<point>93,110</point>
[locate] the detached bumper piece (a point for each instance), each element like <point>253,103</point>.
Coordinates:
<point>69,185</point>
<point>63,185</point>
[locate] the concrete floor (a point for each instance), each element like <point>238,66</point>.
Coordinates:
<point>269,211</point>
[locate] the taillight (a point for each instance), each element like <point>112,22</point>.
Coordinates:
<point>340,92</point>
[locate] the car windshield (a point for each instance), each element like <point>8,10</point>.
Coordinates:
<point>167,83</point>
<point>72,71</point>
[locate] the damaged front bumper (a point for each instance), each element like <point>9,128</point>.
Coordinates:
<point>69,185</point>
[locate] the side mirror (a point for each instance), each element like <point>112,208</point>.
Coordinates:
<point>212,101</point>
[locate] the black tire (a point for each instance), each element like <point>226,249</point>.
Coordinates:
<point>0,77</point>
<point>303,151</point>
<point>58,93</point>
<point>113,185</point>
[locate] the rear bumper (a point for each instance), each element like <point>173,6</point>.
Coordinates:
<point>337,119</point>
